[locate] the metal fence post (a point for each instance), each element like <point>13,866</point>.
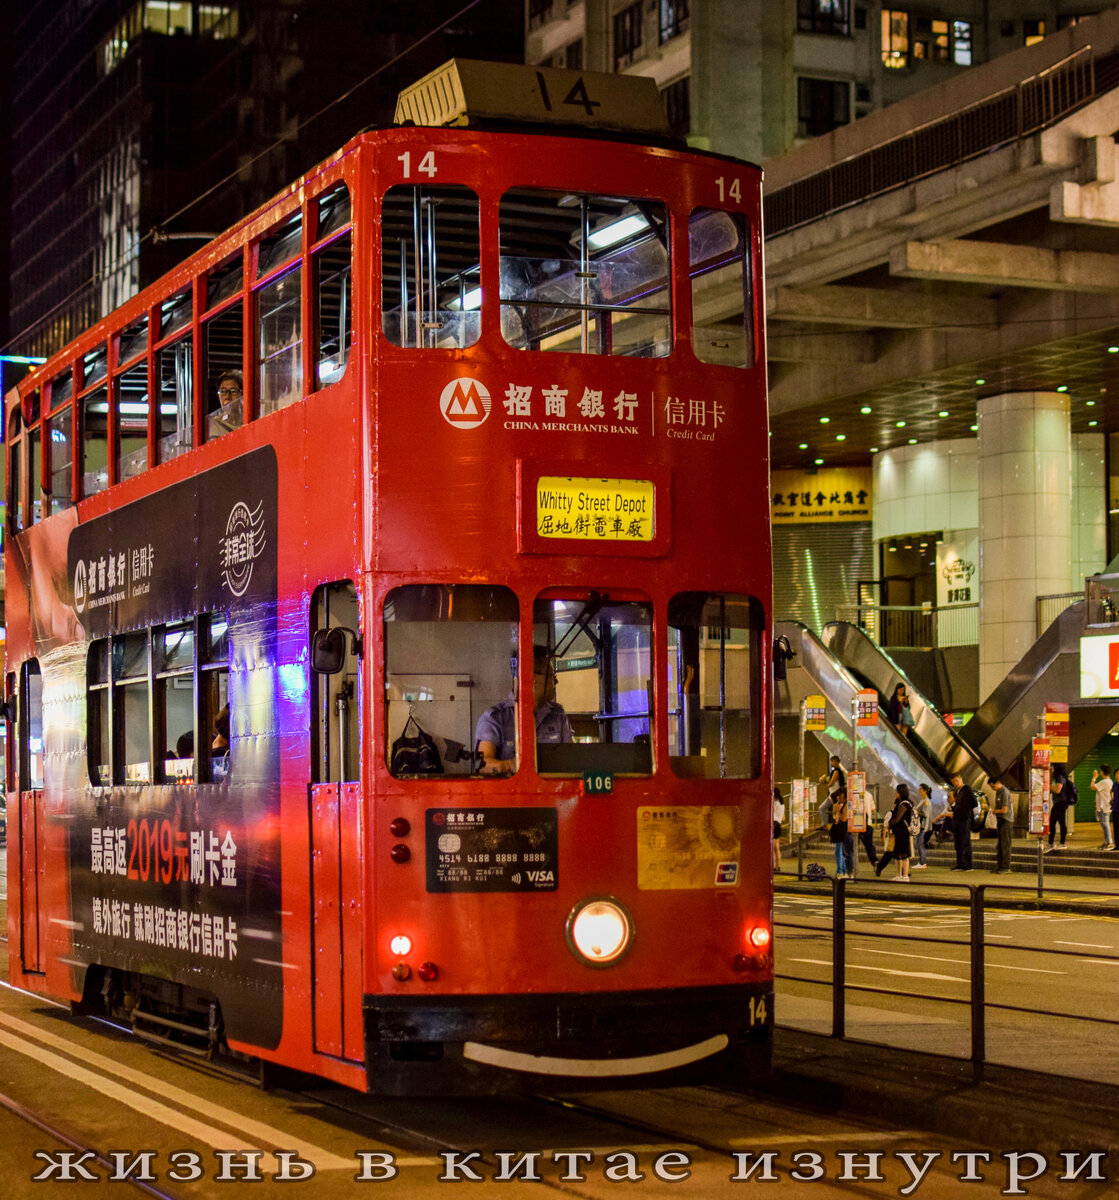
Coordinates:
<point>839,959</point>
<point>978,983</point>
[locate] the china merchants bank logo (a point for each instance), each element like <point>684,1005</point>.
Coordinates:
<point>79,586</point>
<point>465,403</point>
<point>242,544</point>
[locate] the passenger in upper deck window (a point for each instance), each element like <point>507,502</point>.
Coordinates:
<point>496,733</point>
<point>231,405</point>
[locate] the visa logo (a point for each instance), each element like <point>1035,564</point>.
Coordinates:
<point>541,876</point>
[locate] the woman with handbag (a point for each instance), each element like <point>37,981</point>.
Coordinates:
<point>840,837</point>
<point>898,825</point>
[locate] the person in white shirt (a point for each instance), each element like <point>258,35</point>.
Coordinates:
<point>778,817</point>
<point>1103,789</point>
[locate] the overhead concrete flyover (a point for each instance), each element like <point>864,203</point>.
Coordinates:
<point>968,233</point>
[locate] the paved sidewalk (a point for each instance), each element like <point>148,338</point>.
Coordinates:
<point>1076,877</point>
<point>1005,1109</point>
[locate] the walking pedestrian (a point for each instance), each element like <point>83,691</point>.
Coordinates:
<point>1003,809</point>
<point>963,813</point>
<point>778,817</point>
<point>1103,786</point>
<point>835,779</point>
<point>924,811</point>
<point>867,835</point>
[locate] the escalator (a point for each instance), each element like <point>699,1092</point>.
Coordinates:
<point>887,758</point>
<point>945,749</point>
<point>1002,727</point>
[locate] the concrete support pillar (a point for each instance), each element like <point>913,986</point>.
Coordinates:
<point>1025,521</point>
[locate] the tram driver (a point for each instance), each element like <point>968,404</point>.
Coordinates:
<point>496,734</point>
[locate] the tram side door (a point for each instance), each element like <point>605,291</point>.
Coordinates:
<point>335,823</point>
<point>31,818</point>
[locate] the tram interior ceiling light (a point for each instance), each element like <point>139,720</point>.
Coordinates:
<point>468,302</point>
<point>618,230</point>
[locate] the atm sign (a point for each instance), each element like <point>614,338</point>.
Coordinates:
<point>1099,667</point>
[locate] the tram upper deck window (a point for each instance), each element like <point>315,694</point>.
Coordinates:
<point>279,314</point>
<point>15,471</point>
<point>34,440</point>
<point>132,420</point>
<point>95,441</point>
<point>585,274</point>
<point>30,727</point>
<point>722,297</point>
<point>133,341</point>
<point>594,701</point>
<point>222,342</point>
<point>450,655</point>
<point>175,380</point>
<point>175,314</point>
<point>430,281</point>
<point>714,685</point>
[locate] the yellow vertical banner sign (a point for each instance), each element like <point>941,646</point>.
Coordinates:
<point>1056,731</point>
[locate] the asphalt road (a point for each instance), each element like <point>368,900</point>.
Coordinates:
<point>909,980</point>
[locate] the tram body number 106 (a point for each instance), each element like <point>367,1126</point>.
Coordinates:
<point>597,783</point>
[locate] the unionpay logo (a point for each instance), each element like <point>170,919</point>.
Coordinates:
<point>465,403</point>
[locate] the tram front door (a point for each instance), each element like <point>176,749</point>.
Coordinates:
<point>335,824</point>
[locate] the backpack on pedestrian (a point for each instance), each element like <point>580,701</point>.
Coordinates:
<point>914,824</point>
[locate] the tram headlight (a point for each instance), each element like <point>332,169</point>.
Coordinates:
<point>599,931</point>
<point>401,945</point>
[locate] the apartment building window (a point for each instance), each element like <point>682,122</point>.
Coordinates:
<point>674,18</point>
<point>678,107</point>
<point>574,55</point>
<point>627,35</point>
<point>824,16</point>
<point>822,105</point>
<point>539,11</point>
<point>1034,31</point>
<point>895,38</point>
<point>930,40</point>
<point>961,43</point>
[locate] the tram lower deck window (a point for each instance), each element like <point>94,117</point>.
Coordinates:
<point>147,720</point>
<point>714,685</point>
<point>593,689</point>
<point>450,657</point>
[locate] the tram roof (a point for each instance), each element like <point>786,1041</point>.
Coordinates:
<point>467,91</point>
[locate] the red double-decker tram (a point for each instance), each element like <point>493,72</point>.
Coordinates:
<point>387,597</point>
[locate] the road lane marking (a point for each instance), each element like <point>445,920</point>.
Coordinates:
<point>281,1140</point>
<point>1085,945</point>
<point>884,970</point>
<point>960,962</point>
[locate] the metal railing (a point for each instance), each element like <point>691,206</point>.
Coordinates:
<point>920,626</point>
<point>996,121</point>
<point>978,1003</point>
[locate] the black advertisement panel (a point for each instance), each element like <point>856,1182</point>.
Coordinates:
<point>182,880</point>
<point>492,849</point>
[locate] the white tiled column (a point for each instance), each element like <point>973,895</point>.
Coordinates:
<point>1025,521</point>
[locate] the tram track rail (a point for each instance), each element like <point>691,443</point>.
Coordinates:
<point>57,1134</point>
